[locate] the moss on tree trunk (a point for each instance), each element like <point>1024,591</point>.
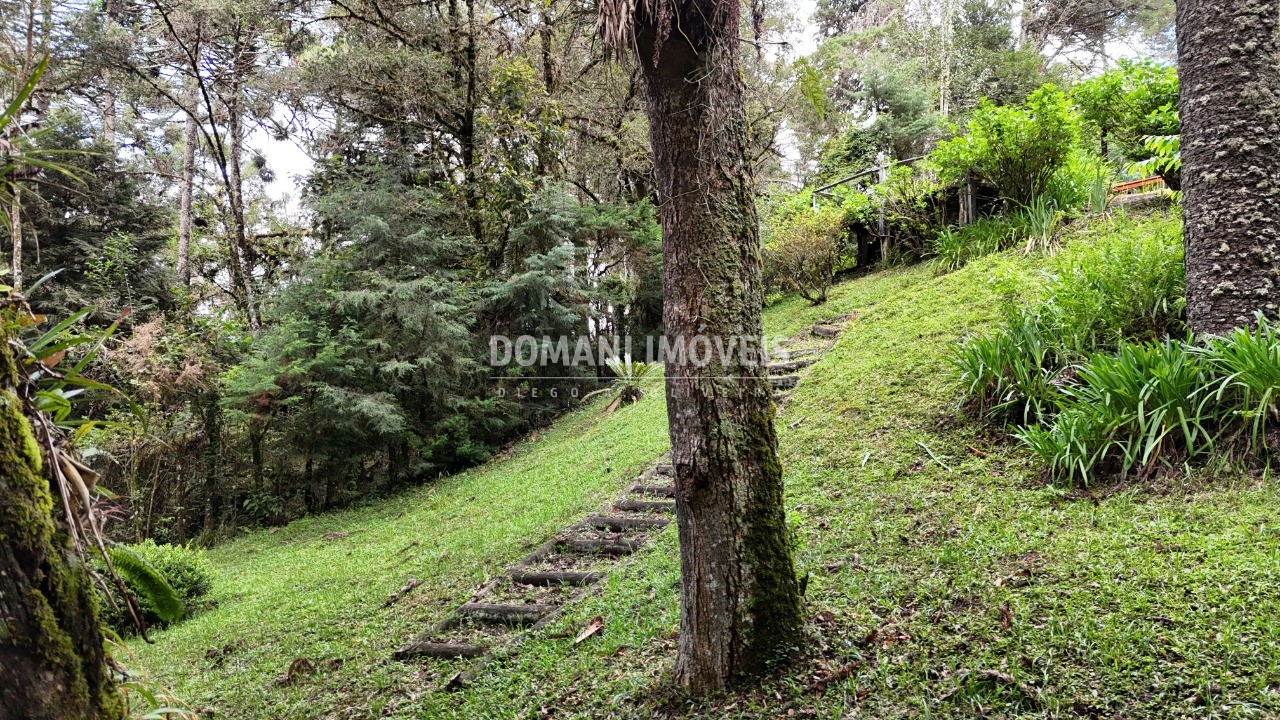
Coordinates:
<point>740,601</point>
<point>52,662</point>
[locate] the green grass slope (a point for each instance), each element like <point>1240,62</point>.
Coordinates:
<point>316,588</point>
<point>944,579</point>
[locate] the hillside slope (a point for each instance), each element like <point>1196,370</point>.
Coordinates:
<point>943,576</point>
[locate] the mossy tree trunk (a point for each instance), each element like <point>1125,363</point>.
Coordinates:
<point>1229,67</point>
<point>740,601</point>
<point>52,662</point>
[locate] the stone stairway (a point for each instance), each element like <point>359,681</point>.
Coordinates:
<point>570,565</point>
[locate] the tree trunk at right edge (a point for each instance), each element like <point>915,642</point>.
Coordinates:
<point>740,600</point>
<point>52,663</point>
<point>1229,65</point>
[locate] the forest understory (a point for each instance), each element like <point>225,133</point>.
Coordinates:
<point>944,577</point>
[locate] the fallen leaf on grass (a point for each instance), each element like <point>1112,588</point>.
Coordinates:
<point>829,675</point>
<point>299,667</point>
<point>595,626</point>
<point>994,677</point>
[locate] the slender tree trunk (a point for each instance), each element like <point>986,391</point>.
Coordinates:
<point>239,235</point>
<point>190,139</point>
<point>1229,65</point>
<point>114,11</point>
<point>740,602</point>
<point>15,234</point>
<point>52,663</point>
<point>213,456</point>
<point>944,57</point>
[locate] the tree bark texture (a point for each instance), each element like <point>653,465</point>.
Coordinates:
<point>190,139</point>
<point>52,663</point>
<point>1229,64</point>
<point>15,235</point>
<point>740,601</point>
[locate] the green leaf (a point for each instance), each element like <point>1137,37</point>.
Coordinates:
<point>15,107</point>
<point>56,331</point>
<point>148,582</point>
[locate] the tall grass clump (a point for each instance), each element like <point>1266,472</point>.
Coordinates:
<point>1094,373</point>
<point>1165,405</point>
<point>1247,365</point>
<point>1039,222</point>
<point>1128,282</point>
<point>1125,283</point>
<point>953,248</point>
<point>1144,407</point>
<point>1082,184</point>
<point>1011,375</point>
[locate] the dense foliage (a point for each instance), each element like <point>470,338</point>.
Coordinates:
<point>1098,374</point>
<point>1017,149</point>
<point>1125,105</point>
<point>473,170</point>
<point>184,570</point>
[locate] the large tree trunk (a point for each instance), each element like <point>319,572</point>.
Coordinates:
<point>52,664</point>
<point>1229,63</point>
<point>740,602</point>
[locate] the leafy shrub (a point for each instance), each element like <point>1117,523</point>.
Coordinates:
<point>1016,149</point>
<point>804,251</point>
<point>913,210</point>
<point>183,569</point>
<point>1126,104</point>
<point>1165,160</point>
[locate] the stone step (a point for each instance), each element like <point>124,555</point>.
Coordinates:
<point>666,491</point>
<point>665,470</point>
<point>576,579</point>
<point>507,614</point>
<point>645,506</point>
<point>784,382</point>
<point>619,523</point>
<point>790,366</point>
<point>600,545</point>
<point>425,648</point>
<point>826,331</point>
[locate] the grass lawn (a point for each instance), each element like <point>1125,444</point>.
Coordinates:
<point>944,577</point>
